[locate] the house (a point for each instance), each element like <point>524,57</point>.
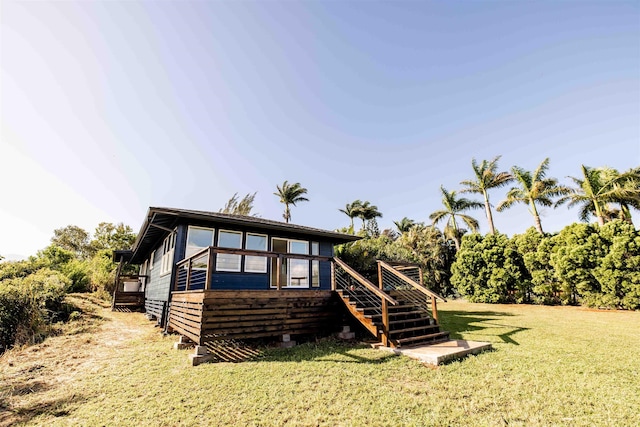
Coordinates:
<point>209,276</point>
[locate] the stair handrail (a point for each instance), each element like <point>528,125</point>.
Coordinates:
<point>412,282</point>
<point>364,282</point>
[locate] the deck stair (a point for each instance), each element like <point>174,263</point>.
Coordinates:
<point>396,311</point>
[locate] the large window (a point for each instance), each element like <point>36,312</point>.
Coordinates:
<point>255,264</point>
<point>168,248</point>
<point>233,240</point>
<point>198,238</point>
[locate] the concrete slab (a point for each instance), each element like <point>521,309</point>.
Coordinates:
<point>441,352</point>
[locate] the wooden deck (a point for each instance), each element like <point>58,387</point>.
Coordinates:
<point>209,315</point>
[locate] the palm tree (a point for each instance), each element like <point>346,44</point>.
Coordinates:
<point>367,212</point>
<point>600,186</point>
<point>404,225</point>
<point>533,188</point>
<point>487,177</point>
<point>352,210</point>
<point>290,194</point>
<point>453,208</point>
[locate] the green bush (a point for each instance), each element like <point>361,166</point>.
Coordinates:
<point>490,269</point>
<point>29,305</point>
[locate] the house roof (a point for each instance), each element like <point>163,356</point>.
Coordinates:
<point>161,221</point>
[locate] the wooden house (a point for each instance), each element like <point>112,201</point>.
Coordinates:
<point>210,276</point>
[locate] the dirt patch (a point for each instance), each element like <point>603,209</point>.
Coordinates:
<point>36,379</point>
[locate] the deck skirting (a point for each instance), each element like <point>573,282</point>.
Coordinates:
<point>210,315</point>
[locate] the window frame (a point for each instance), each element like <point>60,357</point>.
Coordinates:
<point>187,246</point>
<point>247,257</point>
<point>231,256</point>
<point>168,252</point>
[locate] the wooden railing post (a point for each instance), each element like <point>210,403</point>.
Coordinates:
<point>333,275</point>
<point>278,271</point>
<point>210,264</point>
<point>385,311</point>
<point>189,268</point>
<point>434,309</point>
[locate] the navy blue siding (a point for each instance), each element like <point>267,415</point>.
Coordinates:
<point>236,281</point>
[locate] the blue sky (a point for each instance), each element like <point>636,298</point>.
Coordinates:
<point>111,107</point>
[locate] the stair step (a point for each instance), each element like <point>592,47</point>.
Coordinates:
<point>405,313</point>
<point>419,319</point>
<point>429,337</point>
<point>416,328</point>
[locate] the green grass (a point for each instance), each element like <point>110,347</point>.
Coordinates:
<point>550,366</point>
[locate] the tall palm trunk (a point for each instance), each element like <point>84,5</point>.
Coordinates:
<point>487,208</point>
<point>456,234</point>
<point>536,217</point>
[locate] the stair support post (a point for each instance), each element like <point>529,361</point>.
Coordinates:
<point>385,311</point>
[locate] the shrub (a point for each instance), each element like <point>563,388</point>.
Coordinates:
<point>29,305</point>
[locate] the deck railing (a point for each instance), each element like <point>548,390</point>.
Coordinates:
<point>196,271</point>
<point>395,282</point>
<point>129,291</point>
<point>361,291</point>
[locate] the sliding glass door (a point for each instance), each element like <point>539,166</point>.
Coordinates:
<point>295,272</point>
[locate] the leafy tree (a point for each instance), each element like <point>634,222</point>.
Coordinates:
<point>618,272</point>
<point>404,225</point>
<point>290,194</point>
<point>577,250</point>
<point>430,250</point>
<point>599,186</point>
<point>489,269</point>
<point>533,187</point>
<point>487,177</point>
<point>352,210</point>
<point>536,250</point>
<point>363,254</point>
<point>74,239</point>
<point>240,207</point>
<point>453,208</point>
<point>112,237</point>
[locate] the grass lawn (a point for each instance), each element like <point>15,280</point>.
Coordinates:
<point>551,366</point>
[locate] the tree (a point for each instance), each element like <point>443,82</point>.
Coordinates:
<point>533,187</point>
<point>404,225</point>
<point>352,210</point>
<point>112,237</point>
<point>599,186</point>
<point>453,208</point>
<point>367,212</point>
<point>487,177</point>
<point>490,269</point>
<point>239,207</point>
<point>74,239</point>
<point>290,194</point>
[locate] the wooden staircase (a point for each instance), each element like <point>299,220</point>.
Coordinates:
<point>396,311</point>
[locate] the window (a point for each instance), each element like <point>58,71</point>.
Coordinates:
<point>315,266</point>
<point>255,264</point>
<point>298,268</point>
<point>168,248</point>
<point>198,238</point>
<point>152,258</point>
<point>229,239</point>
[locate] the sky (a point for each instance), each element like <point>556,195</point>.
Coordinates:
<point>110,107</point>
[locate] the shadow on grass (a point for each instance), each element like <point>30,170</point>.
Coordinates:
<point>327,350</point>
<point>14,413</point>
<point>459,322</point>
